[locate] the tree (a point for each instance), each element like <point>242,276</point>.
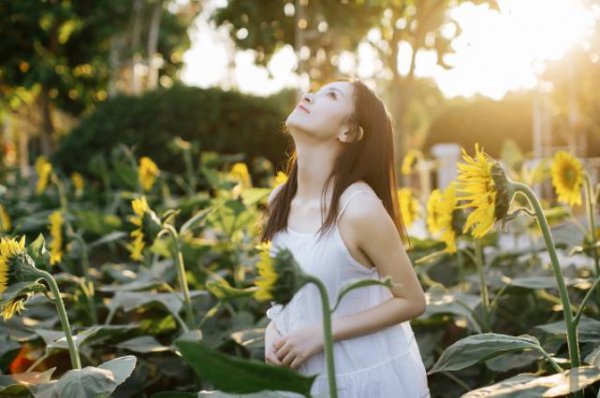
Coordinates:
<point>57,54</point>
<point>384,24</point>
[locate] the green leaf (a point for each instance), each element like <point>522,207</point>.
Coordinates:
<point>481,347</point>
<point>111,237</point>
<point>131,300</point>
<point>588,329</point>
<point>176,394</point>
<point>143,344</point>
<point>121,367</point>
<point>237,375</point>
<point>91,382</point>
<point>94,335</point>
<point>528,385</point>
<point>593,358</point>
<point>37,251</point>
<point>440,301</point>
<point>15,390</point>
<point>543,282</point>
<point>97,222</point>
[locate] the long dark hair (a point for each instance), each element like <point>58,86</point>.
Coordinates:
<point>371,159</point>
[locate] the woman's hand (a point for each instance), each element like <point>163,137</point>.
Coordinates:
<point>272,335</point>
<point>297,346</point>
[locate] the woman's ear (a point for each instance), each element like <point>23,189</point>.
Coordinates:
<point>353,134</point>
<point>359,133</point>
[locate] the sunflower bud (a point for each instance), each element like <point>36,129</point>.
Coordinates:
<point>17,273</point>
<point>149,225</point>
<point>504,192</point>
<point>280,277</point>
<point>484,184</point>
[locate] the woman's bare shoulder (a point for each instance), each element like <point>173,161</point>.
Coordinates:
<point>356,186</point>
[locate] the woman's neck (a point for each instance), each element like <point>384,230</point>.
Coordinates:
<point>314,164</point>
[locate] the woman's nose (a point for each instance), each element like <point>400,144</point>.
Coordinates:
<point>306,97</point>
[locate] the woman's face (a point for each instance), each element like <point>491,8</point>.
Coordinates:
<point>323,114</point>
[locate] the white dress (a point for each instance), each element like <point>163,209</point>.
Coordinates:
<point>383,364</point>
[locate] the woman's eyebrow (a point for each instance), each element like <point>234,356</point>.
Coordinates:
<point>336,89</point>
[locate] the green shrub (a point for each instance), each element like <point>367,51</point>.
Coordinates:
<point>227,122</point>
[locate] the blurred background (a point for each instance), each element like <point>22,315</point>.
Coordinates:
<point>78,78</point>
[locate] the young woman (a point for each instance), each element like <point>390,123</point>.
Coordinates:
<point>343,164</point>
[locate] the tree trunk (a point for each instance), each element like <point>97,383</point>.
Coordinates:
<point>153,35</point>
<point>47,130</point>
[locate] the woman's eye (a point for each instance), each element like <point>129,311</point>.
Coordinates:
<point>332,94</point>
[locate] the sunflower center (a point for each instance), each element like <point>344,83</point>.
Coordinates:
<point>570,176</point>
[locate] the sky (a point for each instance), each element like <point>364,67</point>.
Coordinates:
<point>495,53</point>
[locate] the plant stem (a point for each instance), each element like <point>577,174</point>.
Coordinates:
<point>64,319</point>
<point>584,302</point>
<point>562,289</point>
<point>485,302</point>
<point>178,257</point>
<point>590,201</point>
<point>189,168</point>
<point>88,286</point>
<point>327,335</point>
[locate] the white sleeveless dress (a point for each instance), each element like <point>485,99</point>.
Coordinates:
<point>383,364</point>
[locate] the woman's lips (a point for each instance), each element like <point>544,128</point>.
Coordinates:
<point>303,108</point>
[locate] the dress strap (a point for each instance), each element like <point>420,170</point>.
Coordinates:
<point>348,201</point>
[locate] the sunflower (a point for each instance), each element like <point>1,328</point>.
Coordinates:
<point>55,224</point>
<point>5,224</point>
<point>266,270</point>
<point>78,183</point>
<point>279,275</point>
<point>280,178</point>
<point>483,183</point>
<point>434,211</point>
<point>148,225</point>
<point>567,178</point>
<point>409,206</point>
<point>441,219</point>
<point>43,168</point>
<point>412,158</point>
<point>147,172</point>
<point>239,171</point>
<point>17,271</point>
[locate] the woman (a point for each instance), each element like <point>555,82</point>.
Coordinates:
<point>343,141</point>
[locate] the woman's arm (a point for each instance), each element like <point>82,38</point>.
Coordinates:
<point>377,236</point>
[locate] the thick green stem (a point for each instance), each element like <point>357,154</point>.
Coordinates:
<point>178,257</point>
<point>590,201</point>
<point>562,289</point>
<point>62,313</point>
<point>327,336</point>
<point>485,301</point>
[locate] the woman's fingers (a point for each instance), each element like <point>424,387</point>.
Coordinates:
<point>272,359</point>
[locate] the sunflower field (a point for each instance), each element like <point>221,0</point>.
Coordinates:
<point>124,286</point>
